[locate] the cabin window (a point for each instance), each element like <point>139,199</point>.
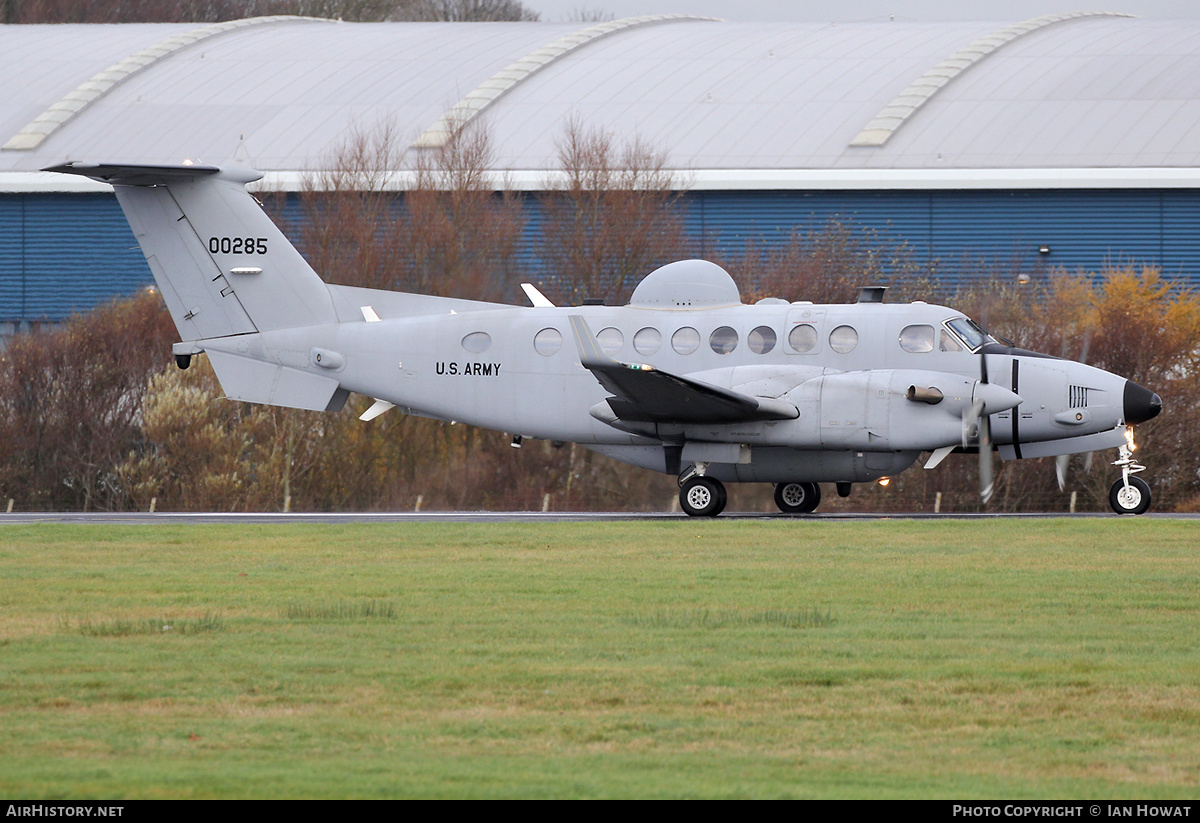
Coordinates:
<point>843,339</point>
<point>686,340</point>
<point>917,338</point>
<point>611,340</point>
<point>477,342</point>
<point>547,342</point>
<point>762,340</point>
<point>802,338</point>
<point>647,340</point>
<point>723,340</point>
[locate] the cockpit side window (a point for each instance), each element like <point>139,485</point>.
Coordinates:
<point>968,332</point>
<point>949,342</point>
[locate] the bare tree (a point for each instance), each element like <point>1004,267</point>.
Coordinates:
<point>586,15</point>
<point>611,217</point>
<point>209,11</point>
<point>454,233</point>
<point>826,265</point>
<point>464,11</point>
<point>125,11</point>
<point>352,230</point>
<point>463,227</point>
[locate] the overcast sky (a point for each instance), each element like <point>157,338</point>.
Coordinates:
<point>850,11</point>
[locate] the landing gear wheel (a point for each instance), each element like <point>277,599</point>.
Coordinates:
<point>702,496</point>
<point>1131,499</point>
<point>797,498</point>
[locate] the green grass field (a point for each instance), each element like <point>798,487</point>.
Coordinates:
<point>679,658</point>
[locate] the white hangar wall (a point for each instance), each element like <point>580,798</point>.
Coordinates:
<point>1076,132</point>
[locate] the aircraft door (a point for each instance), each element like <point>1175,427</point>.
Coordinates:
<point>804,330</point>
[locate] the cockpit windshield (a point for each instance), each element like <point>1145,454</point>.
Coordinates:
<point>969,332</point>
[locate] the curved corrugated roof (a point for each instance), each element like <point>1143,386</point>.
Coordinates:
<point>736,103</point>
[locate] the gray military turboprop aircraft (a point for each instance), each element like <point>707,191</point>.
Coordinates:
<point>686,379</point>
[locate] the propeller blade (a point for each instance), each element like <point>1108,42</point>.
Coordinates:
<point>970,422</point>
<point>980,411</point>
<point>1060,470</point>
<point>986,484</point>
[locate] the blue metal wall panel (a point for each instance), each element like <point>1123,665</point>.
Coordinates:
<point>63,253</point>
<point>726,222</point>
<point>1181,235</point>
<point>12,264</point>
<point>963,235</point>
<point>981,232</point>
<point>75,251</point>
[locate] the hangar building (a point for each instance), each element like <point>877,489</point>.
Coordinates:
<point>1070,140</point>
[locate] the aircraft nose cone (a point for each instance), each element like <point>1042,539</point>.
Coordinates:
<point>1141,404</point>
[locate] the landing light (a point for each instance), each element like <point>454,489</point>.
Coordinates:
<point>1129,438</point>
<point>883,481</point>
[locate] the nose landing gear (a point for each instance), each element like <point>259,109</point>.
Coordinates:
<point>1129,495</point>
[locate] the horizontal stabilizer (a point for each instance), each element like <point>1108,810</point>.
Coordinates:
<point>134,175</point>
<point>646,394</point>
<point>257,381</point>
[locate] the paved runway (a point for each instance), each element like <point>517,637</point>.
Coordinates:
<point>145,518</point>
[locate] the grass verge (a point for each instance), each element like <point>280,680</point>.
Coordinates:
<point>1017,659</point>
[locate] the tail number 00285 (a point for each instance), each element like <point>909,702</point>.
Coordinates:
<point>237,245</point>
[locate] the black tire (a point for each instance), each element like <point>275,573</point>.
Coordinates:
<point>702,496</point>
<point>797,498</point>
<point>1134,500</point>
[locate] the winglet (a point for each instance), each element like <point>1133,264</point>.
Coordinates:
<point>589,351</point>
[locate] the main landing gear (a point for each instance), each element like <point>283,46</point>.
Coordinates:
<point>797,498</point>
<point>1129,495</point>
<point>702,496</point>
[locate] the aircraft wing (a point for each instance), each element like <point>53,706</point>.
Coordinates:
<point>646,394</point>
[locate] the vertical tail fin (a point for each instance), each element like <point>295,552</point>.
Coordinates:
<point>223,267</point>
